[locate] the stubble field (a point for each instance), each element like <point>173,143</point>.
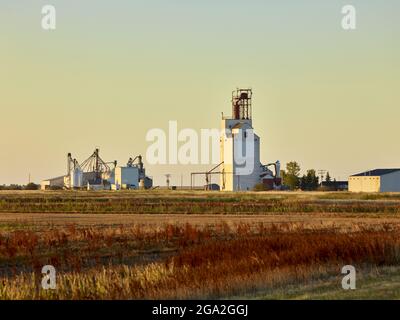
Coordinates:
<point>180,245</point>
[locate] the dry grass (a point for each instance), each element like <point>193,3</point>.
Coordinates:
<point>270,242</point>
<point>164,202</point>
<point>209,262</point>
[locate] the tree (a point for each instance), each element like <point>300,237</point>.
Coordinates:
<point>291,175</point>
<point>312,179</point>
<point>328,178</point>
<point>303,182</point>
<point>309,181</point>
<point>293,168</point>
<point>328,184</point>
<point>31,186</point>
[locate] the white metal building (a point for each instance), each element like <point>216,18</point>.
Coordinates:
<point>53,183</point>
<point>126,178</point>
<point>378,180</point>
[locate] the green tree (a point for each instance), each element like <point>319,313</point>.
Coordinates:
<point>31,186</point>
<point>309,182</point>
<point>328,178</point>
<point>312,180</point>
<point>291,175</point>
<point>303,182</point>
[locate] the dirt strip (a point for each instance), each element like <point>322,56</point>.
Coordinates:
<point>310,220</point>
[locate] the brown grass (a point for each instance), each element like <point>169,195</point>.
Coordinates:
<point>196,203</point>
<point>208,262</point>
<point>188,245</point>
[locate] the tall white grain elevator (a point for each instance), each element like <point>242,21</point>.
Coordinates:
<point>240,146</point>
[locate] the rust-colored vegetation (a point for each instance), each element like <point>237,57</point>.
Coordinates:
<point>305,238</point>
<point>172,261</point>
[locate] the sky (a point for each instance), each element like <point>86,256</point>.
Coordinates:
<point>325,97</point>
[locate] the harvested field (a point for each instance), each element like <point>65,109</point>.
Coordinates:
<point>162,202</point>
<point>148,221</point>
<point>270,252</point>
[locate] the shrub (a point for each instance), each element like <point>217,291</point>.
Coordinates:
<point>260,187</point>
<point>32,186</point>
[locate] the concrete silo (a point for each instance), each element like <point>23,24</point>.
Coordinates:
<point>241,168</point>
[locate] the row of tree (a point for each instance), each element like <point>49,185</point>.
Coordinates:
<point>29,186</point>
<point>308,182</point>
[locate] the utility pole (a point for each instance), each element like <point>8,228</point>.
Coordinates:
<point>168,176</point>
<point>322,173</point>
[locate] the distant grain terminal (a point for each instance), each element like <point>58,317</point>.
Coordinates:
<point>96,174</point>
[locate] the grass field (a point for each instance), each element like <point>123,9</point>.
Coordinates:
<point>179,245</point>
